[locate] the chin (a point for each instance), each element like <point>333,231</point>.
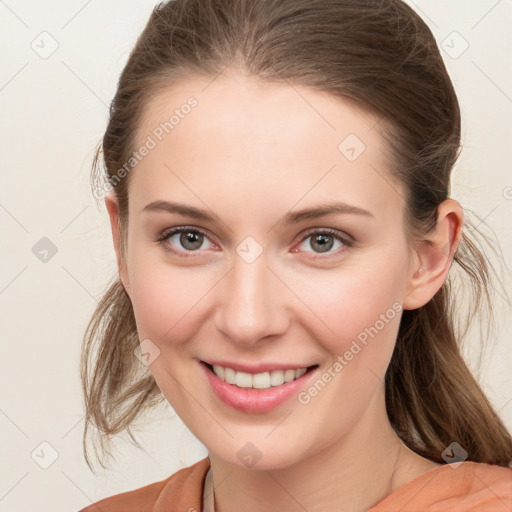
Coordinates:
<point>258,456</point>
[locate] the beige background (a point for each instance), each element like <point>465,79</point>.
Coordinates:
<point>54,109</point>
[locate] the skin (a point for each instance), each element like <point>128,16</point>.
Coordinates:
<point>251,152</point>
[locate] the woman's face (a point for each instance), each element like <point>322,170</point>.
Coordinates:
<point>293,255</point>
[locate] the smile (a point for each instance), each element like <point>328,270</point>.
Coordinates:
<point>256,392</point>
<point>263,380</point>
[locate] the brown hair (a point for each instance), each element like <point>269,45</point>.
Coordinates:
<point>381,56</point>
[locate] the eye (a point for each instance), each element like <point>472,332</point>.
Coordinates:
<point>184,239</point>
<point>322,241</point>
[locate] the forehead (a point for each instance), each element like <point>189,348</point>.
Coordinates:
<point>236,135</point>
<point>256,109</point>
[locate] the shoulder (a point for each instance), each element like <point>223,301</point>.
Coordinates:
<point>182,491</point>
<point>465,487</point>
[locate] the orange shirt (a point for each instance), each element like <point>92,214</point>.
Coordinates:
<point>470,487</point>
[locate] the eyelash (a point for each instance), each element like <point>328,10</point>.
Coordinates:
<point>344,239</point>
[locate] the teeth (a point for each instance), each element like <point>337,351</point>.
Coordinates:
<point>263,380</point>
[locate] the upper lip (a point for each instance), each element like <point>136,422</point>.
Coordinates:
<point>257,368</point>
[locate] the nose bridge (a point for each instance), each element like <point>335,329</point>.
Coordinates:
<point>248,304</point>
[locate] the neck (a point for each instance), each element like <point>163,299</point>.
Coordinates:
<point>352,474</point>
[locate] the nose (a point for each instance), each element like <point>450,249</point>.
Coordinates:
<point>251,303</point>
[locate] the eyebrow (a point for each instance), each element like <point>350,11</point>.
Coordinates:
<point>316,212</point>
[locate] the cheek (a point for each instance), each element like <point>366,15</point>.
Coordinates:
<point>360,302</point>
<point>363,308</point>
<point>169,302</point>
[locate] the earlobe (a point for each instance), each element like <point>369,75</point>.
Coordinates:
<point>433,256</point>
<point>112,206</point>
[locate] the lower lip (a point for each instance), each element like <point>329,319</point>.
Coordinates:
<point>252,400</point>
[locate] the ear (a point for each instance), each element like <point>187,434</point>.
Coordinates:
<point>432,257</point>
<point>113,211</point>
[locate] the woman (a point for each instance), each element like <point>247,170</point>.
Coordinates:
<point>278,190</point>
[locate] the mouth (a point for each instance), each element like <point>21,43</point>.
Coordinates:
<point>244,395</point>
<point>262,380</point>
